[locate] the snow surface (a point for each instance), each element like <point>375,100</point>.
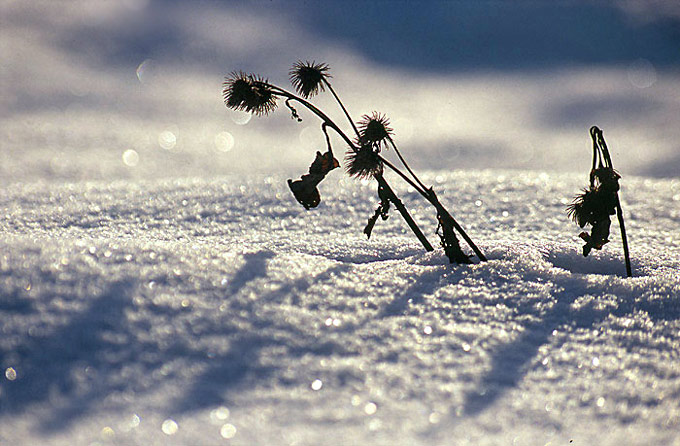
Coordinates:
<point>218,311</point>
<point>159,285</point>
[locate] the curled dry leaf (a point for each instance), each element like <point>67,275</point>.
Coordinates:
<point>304,189</point>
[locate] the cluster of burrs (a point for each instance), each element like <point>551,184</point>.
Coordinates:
<point>371,135</point>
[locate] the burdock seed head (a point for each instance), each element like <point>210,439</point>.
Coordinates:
<point>248,92</point>
<point>363,163</point>
<point>308,77</point>
<point>374,130</point>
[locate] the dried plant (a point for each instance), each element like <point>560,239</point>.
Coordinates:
<point>597,203</point>
<point>251,93</point>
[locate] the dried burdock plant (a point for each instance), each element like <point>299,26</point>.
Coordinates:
<point>251,93</point>
<point>597,203</point>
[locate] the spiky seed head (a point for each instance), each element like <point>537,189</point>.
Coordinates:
<point>581,210</point>
<point>363,163</point>
<point>308,78</point>
<point>248,92</point>
<point>374,130</point>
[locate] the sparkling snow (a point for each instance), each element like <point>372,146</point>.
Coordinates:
<point>159,285</point>
<point>193,311</point>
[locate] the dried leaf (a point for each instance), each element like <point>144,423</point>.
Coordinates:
<point>304,189</point>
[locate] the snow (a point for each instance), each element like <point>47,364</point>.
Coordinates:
<point>196,311</point>
<point>159,285</point>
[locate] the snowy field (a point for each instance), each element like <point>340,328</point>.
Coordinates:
<point>159,285</point>
<point>193,311</point>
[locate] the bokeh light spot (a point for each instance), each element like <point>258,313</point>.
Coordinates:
<point>370,408</point>
<point>228,431</point>
<point>241,117</point>
<point>224,142</point>
<point>169,427</point>
<point>130,158</point>
<point>642,73</point>
<point>167,140</point>
<point>11,374</point>
<point>219,414</point>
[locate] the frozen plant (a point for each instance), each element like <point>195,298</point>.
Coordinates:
<point>599,201</point>
<point>372,134</point>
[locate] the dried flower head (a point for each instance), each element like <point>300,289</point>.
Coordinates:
<point>374,130</point>
<point>248,92</point>
<point>308,77</point>
<point>594,207</point>
<point>363,163</point>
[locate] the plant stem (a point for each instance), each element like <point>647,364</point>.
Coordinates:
<point>624,239</point>
<point>404,212</point>
<point>435,201</point>
<point>342,106</point>
<point>598,138</point>
<point>432,198</point>
<point>381,180</point>
<point>281,92</point>
<point>403,161</point>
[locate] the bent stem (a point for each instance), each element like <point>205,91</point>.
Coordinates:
<point>599,145</point>
<point>403,161</point>
<point>327,122</point>
<point>430,196</point>
<point>342,106</point>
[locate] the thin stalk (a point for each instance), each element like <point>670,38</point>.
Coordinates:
<point>281,92</point>
<point>403,161</point>
<point>328,138</point>
<point>404,212</point>
<point>422,191</point>
<point>342,106</point>
<point>381,180</point>
<point>596,133</point>
<point>624,239</point>
<point>430,196</point>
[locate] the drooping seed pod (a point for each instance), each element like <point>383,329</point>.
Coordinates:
<point>309,78</point>
<point>248,92</point>
<point>364,162</point>
<point>374,130</point>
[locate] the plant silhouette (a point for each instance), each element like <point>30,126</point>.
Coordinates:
<point>251,93</point>
<point>599,201</point>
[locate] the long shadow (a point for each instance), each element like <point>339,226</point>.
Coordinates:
<point>511,362</point>
<point>255,267</point>
<point>69,367</point>
<point>425,285</point>
<point>241,365</point>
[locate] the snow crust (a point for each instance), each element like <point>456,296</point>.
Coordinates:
<point>218,311</point>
